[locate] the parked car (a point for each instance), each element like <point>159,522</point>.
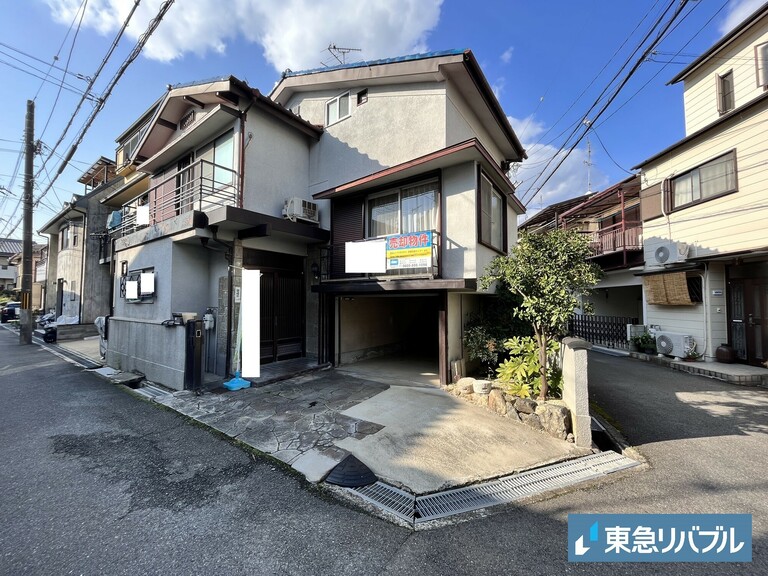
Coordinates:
<point>10,311</point>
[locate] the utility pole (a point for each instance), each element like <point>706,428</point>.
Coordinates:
<point>25,336</point>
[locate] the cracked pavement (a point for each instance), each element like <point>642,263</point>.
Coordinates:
<point>297,421</point>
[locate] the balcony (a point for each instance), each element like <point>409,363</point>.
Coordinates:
<point>624,236</point>
<point>422,262</point>
<point>201,186</point>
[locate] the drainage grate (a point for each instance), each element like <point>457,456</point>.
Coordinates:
<point>399,502</point>
<point>417,509</point>
<point>511,488</point>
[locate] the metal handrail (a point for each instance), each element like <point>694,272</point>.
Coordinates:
<point>331,251</point>
<point>200,186</point>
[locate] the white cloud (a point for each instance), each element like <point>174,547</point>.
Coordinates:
<point>569,181</point>
<point>292,33</point>
<point>506,56</point>
<point>498,86</point>
<point>738,10</point>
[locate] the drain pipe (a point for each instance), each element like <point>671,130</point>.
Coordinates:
<point>705,301</point>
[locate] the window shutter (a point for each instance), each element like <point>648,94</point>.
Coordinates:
<point>650,202</point>
<point>347,225</point>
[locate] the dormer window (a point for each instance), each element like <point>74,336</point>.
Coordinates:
<point>725,98</point>
<point>761,61</point>
<point>337,109</point>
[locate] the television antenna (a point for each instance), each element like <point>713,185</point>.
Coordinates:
<point>339,54</point>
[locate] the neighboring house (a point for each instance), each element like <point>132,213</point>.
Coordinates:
<point>78,278</point>
<point>409,152</point>
<point>211,166</point>
<point>39,265</point>
<point>703,202</point>
<point>8,272</point>
<point>611,220</point>
<point>413,162</point>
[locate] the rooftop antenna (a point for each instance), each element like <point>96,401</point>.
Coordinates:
<point>588,161</point>
<point>339,54</point>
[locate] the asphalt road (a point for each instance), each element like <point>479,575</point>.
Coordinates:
<point>96,481</point>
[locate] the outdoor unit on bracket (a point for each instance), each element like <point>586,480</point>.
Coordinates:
<point>300,209</point>
<point>674,344</point>
<point>670,253</point>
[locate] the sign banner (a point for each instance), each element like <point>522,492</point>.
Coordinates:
<point>659,537</point>
<point>413,250</point>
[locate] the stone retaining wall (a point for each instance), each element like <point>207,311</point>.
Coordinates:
<point>551,416</point>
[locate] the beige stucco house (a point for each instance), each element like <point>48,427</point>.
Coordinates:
<point>408,153</point>
<point>703,202</point>
<point>411,169</point>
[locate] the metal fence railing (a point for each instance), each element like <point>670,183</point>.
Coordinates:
<point>608,331</point>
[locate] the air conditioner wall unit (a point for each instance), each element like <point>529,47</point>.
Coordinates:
<point>669,253</point>
<point>299,209</point>
<point>674,343</point>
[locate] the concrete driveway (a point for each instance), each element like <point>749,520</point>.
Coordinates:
<point>411,435</point>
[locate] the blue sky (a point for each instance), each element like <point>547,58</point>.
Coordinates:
<point>547,61</point>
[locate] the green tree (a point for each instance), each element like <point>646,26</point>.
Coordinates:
<point>549,271</point>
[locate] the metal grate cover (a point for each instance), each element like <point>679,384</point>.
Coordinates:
<point>399,502</point>
<point>418,509</point>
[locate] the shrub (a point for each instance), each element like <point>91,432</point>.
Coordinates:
<point>521,372</point>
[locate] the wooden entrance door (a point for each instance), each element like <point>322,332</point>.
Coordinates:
<point>749,319</point>
<point>282,315</point>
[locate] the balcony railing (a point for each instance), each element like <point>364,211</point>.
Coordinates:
<point>616,238</point>
<point>333,264</point>
<point>200,186</point>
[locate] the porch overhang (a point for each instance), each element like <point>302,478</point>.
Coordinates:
<point>468,151</point>
<point>245,224</point>
<point>399,285</point>
<point>213,123</point>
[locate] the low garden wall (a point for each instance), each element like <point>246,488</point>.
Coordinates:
<point>551,416</point>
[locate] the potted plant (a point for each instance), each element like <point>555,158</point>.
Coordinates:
<point>691,355</point>
<point>645,342</point>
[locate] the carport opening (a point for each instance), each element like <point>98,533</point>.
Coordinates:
<point>399,331</point>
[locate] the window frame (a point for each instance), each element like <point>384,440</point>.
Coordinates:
<point>723,106</point>
<point>398,190</point>
<point>669,200</point>
<point>336,99</point>
<point>479,207</point>
<point>761,65</point>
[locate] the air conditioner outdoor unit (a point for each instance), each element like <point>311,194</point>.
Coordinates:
<point>670,252</point>
<point>300,209</point>
<point>674,344</point>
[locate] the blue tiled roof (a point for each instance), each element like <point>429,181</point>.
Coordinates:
<point>365,63</point>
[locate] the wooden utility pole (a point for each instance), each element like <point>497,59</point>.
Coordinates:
<point>25,336</point>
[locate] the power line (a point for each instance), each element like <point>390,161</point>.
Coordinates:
<point>92,81</point>
<point>83,7</point>
<point>613,96</point>
<point>36,59</point>
<point>153,24</point>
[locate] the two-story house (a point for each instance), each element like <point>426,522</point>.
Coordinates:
<point>208,170</point>
<point>412,163</point>
<point>703,202</point>
<point>78,279</point>
<point>611,221</point>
